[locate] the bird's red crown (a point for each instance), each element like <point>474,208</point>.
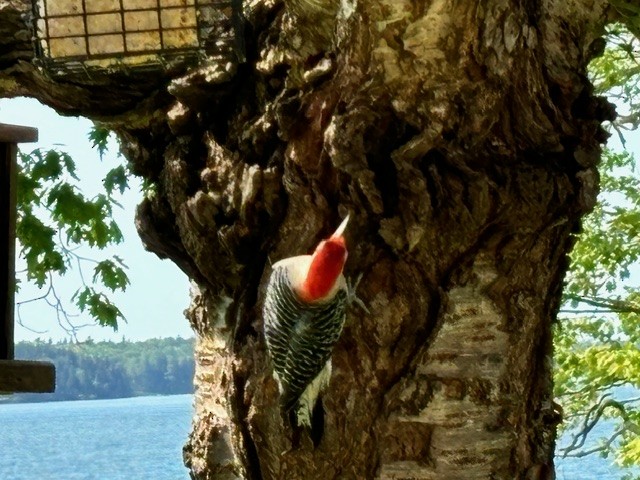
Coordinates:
<point>326,266</point>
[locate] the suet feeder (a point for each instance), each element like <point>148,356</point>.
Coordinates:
<point>15,375</point>
<point>88,35</point>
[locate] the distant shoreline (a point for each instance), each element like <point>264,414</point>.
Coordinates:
<point>111,370</point>
<point>7,398</point>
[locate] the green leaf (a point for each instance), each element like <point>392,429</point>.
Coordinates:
<point>116,178</point>
<point>99,137</point>
<point>39,248</point>
<point>99,307</point>
<point>49,167</point>
<point>111,275</point>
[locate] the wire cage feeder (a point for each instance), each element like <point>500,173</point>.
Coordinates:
<point>82,35</point>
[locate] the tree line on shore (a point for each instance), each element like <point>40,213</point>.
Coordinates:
<point>99,370</point>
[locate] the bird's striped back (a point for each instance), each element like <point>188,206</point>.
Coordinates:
<point>300,335</point>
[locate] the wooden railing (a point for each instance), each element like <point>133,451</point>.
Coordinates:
<point>15,375</point>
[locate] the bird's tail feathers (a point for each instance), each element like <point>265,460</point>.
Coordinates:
<point>305,414</point>
<point>301,406</point>
<point>288,399</point>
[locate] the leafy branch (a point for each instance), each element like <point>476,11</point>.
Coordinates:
<point>597,354</point>
<point>591,419</point>
<point>55,221</point>
<point>604,304</point>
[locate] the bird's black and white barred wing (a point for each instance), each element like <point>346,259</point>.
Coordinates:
<point>300,336</point>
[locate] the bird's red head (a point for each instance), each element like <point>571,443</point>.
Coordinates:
<point>326,265</point>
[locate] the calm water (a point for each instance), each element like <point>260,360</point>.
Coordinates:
<point>592,467</point>
<point>133,439</point>
<point>588,468</point>
<point>128,439</point>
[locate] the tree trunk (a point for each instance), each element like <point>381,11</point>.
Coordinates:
<point>463,139</point>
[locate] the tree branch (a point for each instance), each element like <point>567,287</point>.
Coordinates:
<point>591,419</point>
<point>612,305</point>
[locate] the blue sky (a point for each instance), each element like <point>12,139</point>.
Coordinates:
<point>159,292</point>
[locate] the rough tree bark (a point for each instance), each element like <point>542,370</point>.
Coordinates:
<point>463,138</point>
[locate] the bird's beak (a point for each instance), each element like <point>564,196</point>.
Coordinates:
<point>340,230</point>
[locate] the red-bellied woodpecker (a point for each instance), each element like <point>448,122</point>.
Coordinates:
<point>304,311</point>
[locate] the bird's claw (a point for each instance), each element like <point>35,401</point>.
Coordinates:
<point>352,296</point>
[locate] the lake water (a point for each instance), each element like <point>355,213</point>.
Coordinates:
<point>124,439</point>
<point>134,439</point>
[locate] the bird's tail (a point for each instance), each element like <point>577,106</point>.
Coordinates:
<point>305,416</point>
<point>305,411</point>
<point>300,407</point>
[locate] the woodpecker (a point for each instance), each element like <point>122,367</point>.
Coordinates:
<point>304,312</point>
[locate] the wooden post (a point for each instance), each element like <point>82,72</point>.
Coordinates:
<point>10,135</point>
<point>15,376</point>
<point>7,249</point>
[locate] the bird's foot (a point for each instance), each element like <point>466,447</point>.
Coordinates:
<point>352,296</point>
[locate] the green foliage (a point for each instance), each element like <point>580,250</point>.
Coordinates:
<point>98,305</point>
<point>629,11</point>
<point>608,247</point>
<point>597,340</point>
<point>55,221</point>
<point>117,178</point>
<point>616,73</point>
<point>93,370</point>
<point>99,137</point>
